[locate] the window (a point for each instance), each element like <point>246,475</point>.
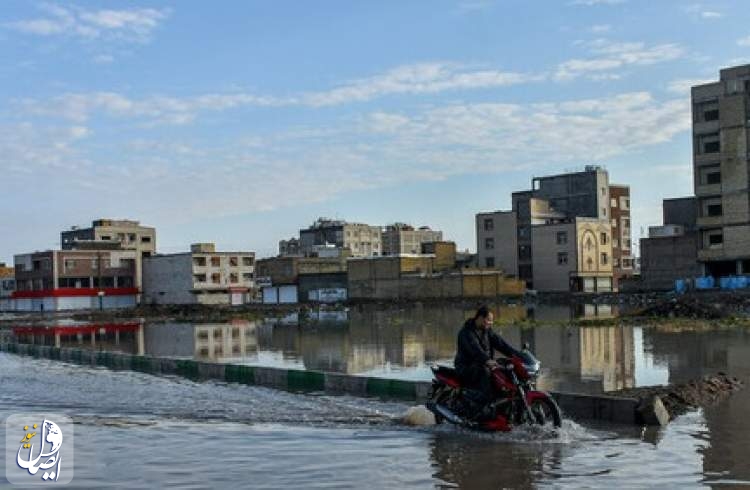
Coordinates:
<point>711,207</point>
<point>603,238</point>
<point>626,244</point>
<point>614,223</point>
<point>247,276</point>
<point>233,261</point>
<point>523,232</point>
<point>216,278</point>
<point>604,258</point>
<point>199,278</point>
<point>713,238</point>
<point>626,222</point>
<point>69,264</point>
<point>106,238</point>
<point>199,261</point>
<point>711,115</point>
<point>709,143</point>
<point>562,258</point>
<point>604,191</point>
<point>489,243</point>
<point>562,237</point>
<point>627,204</point>
<point>616,262</point>
<point>145,239</point>
<point>489,261</point>
<point>489,224</point>
<point>615,243</point>
<point>132,237</point>
<point>234,278</point>
<point>215,261</point>
<point>604,212</point>
<point>710,175</point>
<point>247,261</point>
<point>613,202</point>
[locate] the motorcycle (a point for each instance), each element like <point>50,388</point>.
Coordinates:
<point>516,400</point>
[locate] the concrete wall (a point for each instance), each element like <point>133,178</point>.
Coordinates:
<point>309,282</point>
<point>665,259</point>
<point>504,234</point>
<point>168,279</point>
<point>681,211</point>
<point>549,275</point>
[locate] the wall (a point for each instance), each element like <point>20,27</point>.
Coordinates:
<point>505,236</point>
<point>168,279</point>
<point>309,282</point>
<point>665,259</point>
<point>548,274</point>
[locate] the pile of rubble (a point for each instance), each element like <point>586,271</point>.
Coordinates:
<point>685,307</point>
<point>659,404</point>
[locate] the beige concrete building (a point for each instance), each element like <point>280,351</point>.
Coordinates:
<point>400,238</point>
<point>361,239</point>
<point>721,112</point>
<point>573,256</point>
<point>201,276</point>
<point>109,233</point>
<point>497,241</point>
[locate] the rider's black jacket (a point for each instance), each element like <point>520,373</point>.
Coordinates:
<point>476,346</point>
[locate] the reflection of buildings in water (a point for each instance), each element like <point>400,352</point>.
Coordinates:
<point>225,341</point>
<point>584,359</point>
<point>608,354</point>
<point>116,337</point>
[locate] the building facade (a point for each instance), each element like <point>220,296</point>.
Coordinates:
<point>7,287</point>
<point>201,276</point>
<point>75,279</point>
<point>400,238</point>
<point>108,233</point>
<point>573,256</point>
<point>289,248</point>
<point>721,114</point>
<point>622,247</point>
<point>497,241</point>
<point>360,239</point>
<point>505,239</point>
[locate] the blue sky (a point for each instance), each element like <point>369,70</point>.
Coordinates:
<point>241,122</point>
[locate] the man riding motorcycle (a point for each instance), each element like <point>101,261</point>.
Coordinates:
<point>475,356</point>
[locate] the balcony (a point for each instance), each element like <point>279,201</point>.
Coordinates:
<point>709,221</point>
<point>706,127</point>
<point>707,190</point>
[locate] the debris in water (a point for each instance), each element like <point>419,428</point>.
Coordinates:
<point>418,415</point>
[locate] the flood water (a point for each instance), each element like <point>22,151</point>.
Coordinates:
<point>143,431</point>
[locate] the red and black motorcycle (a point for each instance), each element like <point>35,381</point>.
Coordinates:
<point>516,399</point>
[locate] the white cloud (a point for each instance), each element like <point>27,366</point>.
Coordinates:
<point>708,14</point>
<point>416,79</point>
<point>745,41</point>
<point>609,56</point>
<point>474,5</point>
<point>600,28</point>
<point>134,25</point>
<point>698,10</point>
<point>420,78</point>
<point>683,86</point>
<point>103,58</point>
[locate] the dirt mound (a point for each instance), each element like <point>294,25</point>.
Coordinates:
<point>685,308</point>
<point>678,399</point>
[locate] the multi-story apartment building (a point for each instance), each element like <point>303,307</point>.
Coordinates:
<point>289,248</point>
<point>201,276</point>
<point>721,116</point>
<point>573,255</point>
<point>104,233</point>
<point>75,279</point>
<point>401,238</point>
<point>506,239</point>
<point>497,241</point>
<point>622,253</point>
<point>361,239</point>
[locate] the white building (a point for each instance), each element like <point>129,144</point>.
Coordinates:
<point>201,276</point>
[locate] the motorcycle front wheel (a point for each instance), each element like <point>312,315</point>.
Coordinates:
<point>545,412</point>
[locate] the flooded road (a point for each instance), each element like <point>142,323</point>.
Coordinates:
<point>143,431</point>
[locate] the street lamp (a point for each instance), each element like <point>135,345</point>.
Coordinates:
<point>100,293</point>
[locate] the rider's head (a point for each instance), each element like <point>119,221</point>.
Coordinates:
<point>483,317</point>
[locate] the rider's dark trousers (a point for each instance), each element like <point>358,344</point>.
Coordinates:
<point>477,377</point>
